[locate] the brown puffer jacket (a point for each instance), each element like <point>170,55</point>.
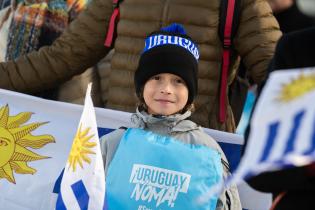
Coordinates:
<point>82,45</point>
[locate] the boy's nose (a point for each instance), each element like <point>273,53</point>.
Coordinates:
<point>166,88</point>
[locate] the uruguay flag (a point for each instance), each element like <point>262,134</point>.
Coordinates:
<point>83,182</point>
<point>282,127</point>
<point>283,124</point>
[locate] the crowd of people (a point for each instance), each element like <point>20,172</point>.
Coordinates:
<point>164,62</point>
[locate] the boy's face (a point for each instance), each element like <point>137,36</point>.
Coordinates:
<point>165,94</point>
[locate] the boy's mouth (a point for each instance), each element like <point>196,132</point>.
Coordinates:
<point>164,101</point>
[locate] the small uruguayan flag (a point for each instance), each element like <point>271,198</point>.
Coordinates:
<point>283,124</point>
<point>83,181</point>
<point>282,127</point>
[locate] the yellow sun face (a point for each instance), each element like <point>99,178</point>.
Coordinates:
<point>7,146</point>
<point>14,140</point>
<point>81,147</point>
<point>297,88</point>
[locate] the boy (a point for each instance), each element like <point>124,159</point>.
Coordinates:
<point>166,161</point>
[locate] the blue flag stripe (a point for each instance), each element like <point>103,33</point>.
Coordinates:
<point>273,131</point>
<point>296,125</point>
<point>58,182</point>
<point>312,147</point>
<point>81,194</point>
<point>60,205</point>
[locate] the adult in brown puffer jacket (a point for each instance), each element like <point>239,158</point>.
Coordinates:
<point>82,45</point>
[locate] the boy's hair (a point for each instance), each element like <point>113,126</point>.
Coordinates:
<point>169,50</point>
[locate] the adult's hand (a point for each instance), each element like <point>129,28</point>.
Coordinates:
<point>280,5</point>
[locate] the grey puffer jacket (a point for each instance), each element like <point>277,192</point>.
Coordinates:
<point>178,127</point>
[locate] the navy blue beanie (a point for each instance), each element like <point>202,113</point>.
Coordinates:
<point>169,50</point>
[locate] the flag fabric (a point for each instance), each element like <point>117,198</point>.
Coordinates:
<point>30,186</point>
<point>283,124</point>
<point>44,148</point>
<point>83,181</point>
<point>282,127</point>
<point>55,125</point>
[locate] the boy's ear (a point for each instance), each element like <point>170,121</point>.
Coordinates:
<point>189,107</point>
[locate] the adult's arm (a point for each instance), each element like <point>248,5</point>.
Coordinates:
<point>296,178</point>
<point>79,47</point>
<point>295,50</point>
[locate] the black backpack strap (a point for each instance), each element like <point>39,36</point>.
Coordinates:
<point>228,24</point>
<point>112,27</point>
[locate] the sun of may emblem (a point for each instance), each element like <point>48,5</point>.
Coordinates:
<point>298,87</point>
<point>81,147</point>
<point>15,137</point>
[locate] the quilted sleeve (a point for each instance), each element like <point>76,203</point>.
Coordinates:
<point>256,37</point>
<point>79,47</point>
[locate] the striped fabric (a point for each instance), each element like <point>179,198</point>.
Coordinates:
<point>5,21</point>
<point>39,23</point>
<point>25,29</point>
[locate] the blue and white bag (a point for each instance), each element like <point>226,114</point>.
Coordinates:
<point>150,171</point>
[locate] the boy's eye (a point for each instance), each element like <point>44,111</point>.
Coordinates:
<point>156,77</point>
<point>179,81</point>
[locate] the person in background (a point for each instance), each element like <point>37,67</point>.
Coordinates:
<point>82,45</point>
<point>289,15</point>
<point>292,188</point>
<point>163,138</point>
